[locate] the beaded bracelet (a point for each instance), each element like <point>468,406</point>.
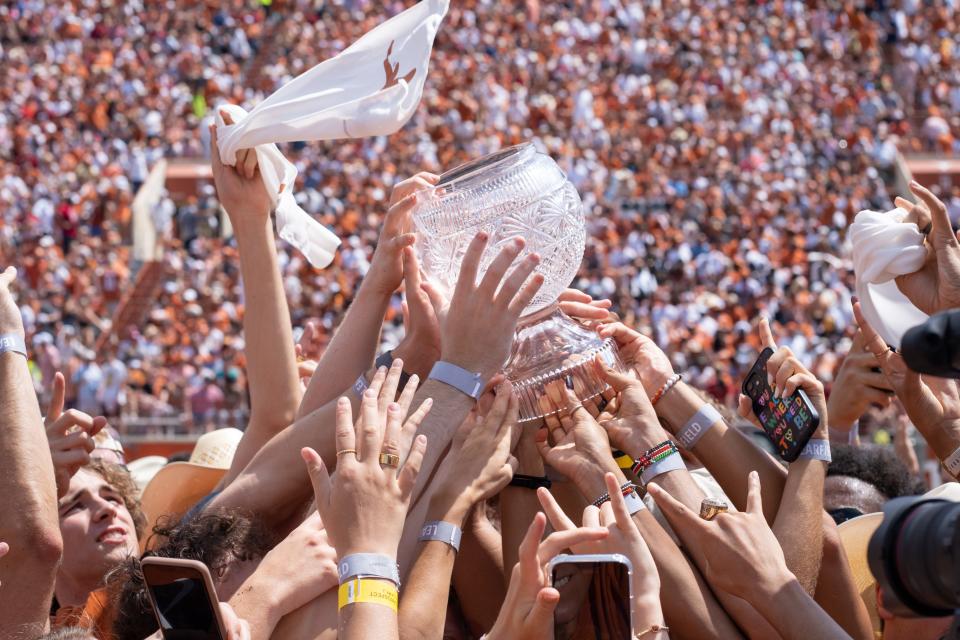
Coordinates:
<point>625,489</point>
<point>654,455</point>
<point>669,384</point>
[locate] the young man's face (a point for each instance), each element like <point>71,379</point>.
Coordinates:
<point>98,531</point>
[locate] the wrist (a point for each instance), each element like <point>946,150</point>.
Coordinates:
<point>678,406</point>
<point>247,223</point>
<point>449,508</point>
<point>770,593</point>
<point>416,359</point>
<point>590,482</point>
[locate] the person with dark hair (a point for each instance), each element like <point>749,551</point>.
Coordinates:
<point>861,479</point>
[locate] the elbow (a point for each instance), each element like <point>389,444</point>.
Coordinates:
<point>43,544</point>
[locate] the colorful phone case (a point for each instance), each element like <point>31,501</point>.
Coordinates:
<point>789,423</point>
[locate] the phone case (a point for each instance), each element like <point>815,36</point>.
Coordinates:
<point>789,423</point>
<point>182,567</point>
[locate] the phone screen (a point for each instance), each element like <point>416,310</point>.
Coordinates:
<point>184,609</point>
<point>594,601</point>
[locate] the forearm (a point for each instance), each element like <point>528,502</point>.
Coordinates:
<point>254,603</point>
<point>478,573</point>
<point>727,454</point>
<point>794,614</point>
<point>350,352</point>
<point>29,491</point>
<point>690,609</point>
<point>799,523</point>
<point>518,506</point>
<point>271,359</point>
<point>362,621</point>
<point>426,589</point>
<point>450,408</point>
<point>836,591</point>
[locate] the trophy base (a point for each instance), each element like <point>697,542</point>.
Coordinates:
<point>550,346</point>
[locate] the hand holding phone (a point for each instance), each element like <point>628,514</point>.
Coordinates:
<point>184,599</point>
<point>785,412</point>
<point>595,596</point>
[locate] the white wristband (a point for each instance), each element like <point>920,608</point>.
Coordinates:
<point>13,342</point>
<point>634,502</point>
<point>672,462</point>
<point>817,450</point>
<point>698,425</point>
<point>442,532</point>
<point>952,463</point>
<point>360,385</point>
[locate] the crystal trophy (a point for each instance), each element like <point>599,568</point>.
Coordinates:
<point>519,192</point>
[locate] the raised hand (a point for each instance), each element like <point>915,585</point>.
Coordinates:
<point>420,347</point>
<point>580,449</point>
<point>365,503</point>
<point>10,320</point>
<point>933,404</point>
<point>239,188</point>
<point>479,463</point>
<point>786,374</point>
<point>857,386</point>
<point>527,611</point>
<point>642,354</point>
<point>582,307</point>
<point>476,329</point>
<point>739,551</point>
<point>386,268</point>
<point>936,286</point>
<point>633,427</point>
<point>70,435</point>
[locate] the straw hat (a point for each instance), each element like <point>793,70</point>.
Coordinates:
<point>143,469</point>
<point>855,536</point>
<point>178,486</point>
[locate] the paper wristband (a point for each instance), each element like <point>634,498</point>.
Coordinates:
<point>952,463</point>
<point>634,502</point>
<point>371,591</point>
<point>442,532</point>
<point>360,385</point>
<point>13,342</point>
<point>817,450</point>
<point>368,565</point>
<point>623,460</point>
<point>459,378</point>
<point>699,424</point>
<point>670,463</point>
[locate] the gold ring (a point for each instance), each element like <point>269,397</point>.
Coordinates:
<point>710,508</point>
<point>390,460</point>
<point>340,453</point>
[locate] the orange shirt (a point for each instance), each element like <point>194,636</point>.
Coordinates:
<point>96,615</point>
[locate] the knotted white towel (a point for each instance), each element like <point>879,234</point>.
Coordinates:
<point>369,89</point>
<point>884,247</point>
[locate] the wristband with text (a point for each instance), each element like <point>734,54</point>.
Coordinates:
<point>952,463</point>
<point>368,565</point>
<point>360,385</point>
<point>459,378</point>
<point>530,482</point>
<point>817,450</point>
<point>673,462</point>
<point>13,342</point>
<point>385,359</point>
<point>698,425</point>
<point>372,591</point>
<point>442,532</point>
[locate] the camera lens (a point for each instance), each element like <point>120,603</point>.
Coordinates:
<point>915,556</point>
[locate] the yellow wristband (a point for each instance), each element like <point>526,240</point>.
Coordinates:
<point>368,590</point>
<point>624,461</point>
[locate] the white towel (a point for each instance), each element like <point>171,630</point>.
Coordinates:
<point>884,247</point>
<point>369,89</point>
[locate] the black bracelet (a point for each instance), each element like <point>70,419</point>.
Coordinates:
<point>385,359</point>
<point>530,482</point>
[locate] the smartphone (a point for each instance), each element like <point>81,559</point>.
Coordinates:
<point>788,422</point>
<point>595,596</point>
<point>183,599</point>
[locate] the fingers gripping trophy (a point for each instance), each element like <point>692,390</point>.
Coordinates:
<point>519,192</point>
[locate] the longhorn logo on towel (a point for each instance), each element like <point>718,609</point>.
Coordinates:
<point>393,70</point>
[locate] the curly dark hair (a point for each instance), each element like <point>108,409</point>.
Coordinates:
<point>216,539</point>
<point>120,479</point>
<point>878,466</point>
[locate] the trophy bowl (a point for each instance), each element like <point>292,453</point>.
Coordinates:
<point>519,192</point>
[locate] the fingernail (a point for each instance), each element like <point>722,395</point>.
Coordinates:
<point>914,183</point>
<point>483,236</point>
<point>534,257</point>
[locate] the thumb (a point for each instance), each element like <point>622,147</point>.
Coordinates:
<point>619,380</point>
<point>318,477</point>
<point>540,619</point>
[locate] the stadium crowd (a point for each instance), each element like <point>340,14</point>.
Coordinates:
<point>721,149</point>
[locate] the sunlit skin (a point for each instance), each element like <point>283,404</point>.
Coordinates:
<point>98,533</point>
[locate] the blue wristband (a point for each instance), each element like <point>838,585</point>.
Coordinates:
<point>457,377</point>
<point>13,342</point>
<point>442,532</point>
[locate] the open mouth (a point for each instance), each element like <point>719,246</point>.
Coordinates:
<point>113,535</point>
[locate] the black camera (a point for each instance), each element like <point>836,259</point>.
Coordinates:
<point>915,556</point>
<point>933,347</point>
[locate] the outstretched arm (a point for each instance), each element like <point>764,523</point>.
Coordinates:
<point>31,528</point>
